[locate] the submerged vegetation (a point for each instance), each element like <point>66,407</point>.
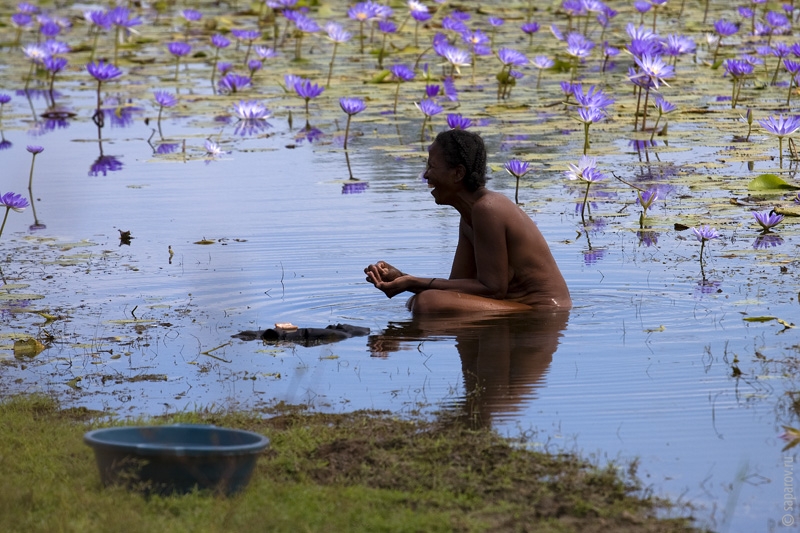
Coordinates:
<point>363,471</point>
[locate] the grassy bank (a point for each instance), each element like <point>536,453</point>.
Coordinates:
<point>353,472</point>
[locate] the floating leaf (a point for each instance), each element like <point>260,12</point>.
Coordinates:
<point>759,318</point>
<point>769,182</point>
<point>787,211</point>
<point>73,383</point>
<point>205,241</point>
<point>28,348</point>
<point>780,321</point>
<point>10,297</point>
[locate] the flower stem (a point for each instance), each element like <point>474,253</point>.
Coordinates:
<point>644,109</point>
<point>585,137</point>
<point>347,130</point>
<point>585,198</point>
<point>30,177</point>
<point>655,128</point>
<point>330,65</point>
<point>396,94</point>
<point>4,221</point>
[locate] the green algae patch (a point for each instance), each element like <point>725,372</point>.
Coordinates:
<point>362,471</point>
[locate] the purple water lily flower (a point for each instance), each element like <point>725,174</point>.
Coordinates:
<point>400,73</point>
<point>4,99</point>
<point>12,201</point>
<point>338,35</point>
<point>429,107</point>
<point>781,127</point>
<point>705,233</point>
<point>542,63</point>
<point>232,83</point>
<point>455,121</point>
<point>579,46</point>
<point>507,77</point>
<point>307,90</point>
<point>646,198</point>
<point>252,117</point>
<point>191,15</point>
<point>102,71</point>
<point>164,98</point>
<point>361,13</point>
<point>593,98</point>
<point>586,170</point>
<point>220,41</point>
<point>511,57</point>
<point>767,219</point>
<point>516,168</point>
<point>34,149</point>
<point>351,106</point>
<point>529,28</point>
<point>245,35</point>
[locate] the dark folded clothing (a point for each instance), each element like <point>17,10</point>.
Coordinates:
<point>305,336</point>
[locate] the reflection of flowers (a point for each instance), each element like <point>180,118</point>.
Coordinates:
<point>252,117</point>
<point>593,255</point>
<point>121,116</point>
<point>767,240</point>
<point>647,238</point>
<point>105,164</point>
<point>309,134</point>
<point>354,187</point>
<point>166,148</point>
<point>245,128</point>
<point>708,286</point>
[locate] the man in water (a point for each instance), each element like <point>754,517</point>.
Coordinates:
<point>502,261</point>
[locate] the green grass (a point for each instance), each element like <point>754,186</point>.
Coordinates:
<point>355,472</point>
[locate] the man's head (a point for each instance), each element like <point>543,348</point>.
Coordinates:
<point>465,148</point>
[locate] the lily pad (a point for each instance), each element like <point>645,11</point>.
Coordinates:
<point>28,348</point>
<point>770,182</point>
<point>11,297</point>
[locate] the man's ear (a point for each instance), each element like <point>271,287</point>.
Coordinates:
<point>461,172</point>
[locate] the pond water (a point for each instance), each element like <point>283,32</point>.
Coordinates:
<point>655,362</point>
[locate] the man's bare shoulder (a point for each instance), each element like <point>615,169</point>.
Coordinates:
<point>493,201</point>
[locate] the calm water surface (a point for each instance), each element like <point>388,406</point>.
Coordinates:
<point>640,368</point>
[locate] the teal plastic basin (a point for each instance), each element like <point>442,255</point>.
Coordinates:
<point>177,458</point>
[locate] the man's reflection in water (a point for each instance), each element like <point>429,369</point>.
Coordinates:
<point>503,358</point>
